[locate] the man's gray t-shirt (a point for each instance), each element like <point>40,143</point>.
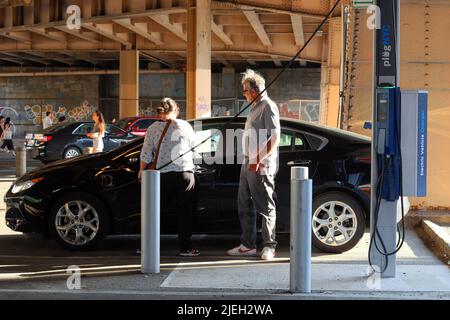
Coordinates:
<point>263,120</point>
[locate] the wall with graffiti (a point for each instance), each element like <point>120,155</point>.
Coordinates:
<point>27,118</point>
<point>26,100</point>
<point>35,112</point>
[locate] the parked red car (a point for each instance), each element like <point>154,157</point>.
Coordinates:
<point>137,125</point>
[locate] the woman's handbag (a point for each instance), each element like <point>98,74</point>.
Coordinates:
<point>152,165</point>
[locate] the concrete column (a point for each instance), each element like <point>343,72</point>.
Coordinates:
<point>129,83</point>
<point>198,78</point>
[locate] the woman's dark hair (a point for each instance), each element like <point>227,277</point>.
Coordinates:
<point>168,105</point>
<point>8,120</point>
<point>47,113</point>
<point>99,114</point>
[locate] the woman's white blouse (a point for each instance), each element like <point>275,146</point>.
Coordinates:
<point>179,139</point>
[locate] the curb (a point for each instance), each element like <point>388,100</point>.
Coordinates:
<point>414,218</point>
<point>438,239</point>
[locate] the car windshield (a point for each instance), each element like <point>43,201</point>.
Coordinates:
<point>113,130</point>
<point>123,123</point>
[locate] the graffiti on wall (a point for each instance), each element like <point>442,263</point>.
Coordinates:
<point>34,113</point>
<point>8,112</point>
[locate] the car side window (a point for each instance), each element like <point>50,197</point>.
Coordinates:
<point>285,141</point>
<point>299,143</point>
<point>212,145</point>
<point>292,141</point>
<point>84,128</point>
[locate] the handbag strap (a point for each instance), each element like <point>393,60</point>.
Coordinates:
<point>155,161</point>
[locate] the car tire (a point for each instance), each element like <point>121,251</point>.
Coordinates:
<point>345,231</point>
<point>72,152</point>
<point>75,230</point>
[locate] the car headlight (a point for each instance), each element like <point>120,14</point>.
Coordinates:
<point>24,185</point>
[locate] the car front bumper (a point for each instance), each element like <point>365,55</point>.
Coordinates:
<point>21,216</point>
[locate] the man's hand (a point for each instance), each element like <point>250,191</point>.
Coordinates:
<point>140,174</point>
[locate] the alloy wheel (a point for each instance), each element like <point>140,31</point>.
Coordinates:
<point>77,222</point>
<point>334,223</point>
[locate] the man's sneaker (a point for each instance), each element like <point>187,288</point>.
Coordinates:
<point>268,253</point>
<point>189,253</point>
<point>242,251</point>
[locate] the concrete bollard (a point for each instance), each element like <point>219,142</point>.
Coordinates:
<point>21,161</point>
<point>150,221</point>
<point>301,216</point>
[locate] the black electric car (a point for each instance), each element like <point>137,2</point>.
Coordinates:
<point>67,140</point>
<point>80,201</point>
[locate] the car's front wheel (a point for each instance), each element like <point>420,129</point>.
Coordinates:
<point>338,222</point>
<point>78,221</point>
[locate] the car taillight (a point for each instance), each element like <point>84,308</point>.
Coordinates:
<point>367,160</point>
<point>46,139</point>
<point>365,188</point>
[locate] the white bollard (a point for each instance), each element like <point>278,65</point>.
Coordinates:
<point>150,221</point>
<point>301,216</point>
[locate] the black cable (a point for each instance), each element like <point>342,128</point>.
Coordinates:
<point>265,89</point>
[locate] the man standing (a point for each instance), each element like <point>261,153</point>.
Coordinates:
<point>47,121</point>
<point>256,184</point>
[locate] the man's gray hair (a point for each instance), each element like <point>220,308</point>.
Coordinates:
<point>254,80</point>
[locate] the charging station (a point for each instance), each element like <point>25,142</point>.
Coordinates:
<point>399,143</point>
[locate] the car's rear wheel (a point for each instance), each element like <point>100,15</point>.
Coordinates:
<point>72,152</point>
<point>338,222</point>
<point>78,221</point>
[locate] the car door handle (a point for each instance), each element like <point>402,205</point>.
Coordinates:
<point>299,163</point>
<point>202,171</point>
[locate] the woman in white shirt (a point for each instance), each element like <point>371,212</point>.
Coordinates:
<point>7,137</point>
<point>177,178</point>
<point>98,133</point>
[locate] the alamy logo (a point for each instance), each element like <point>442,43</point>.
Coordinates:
<point>374,21</point>
<point>373,281</point>
<point>74,280</point>
<point>74,19</point>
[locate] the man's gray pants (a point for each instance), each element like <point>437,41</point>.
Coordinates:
<point>256,196</point>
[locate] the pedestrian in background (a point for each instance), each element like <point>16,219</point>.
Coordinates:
<point>2,125</point>
<point>47,121</point>
<point>163,139</point>
<point>98,133</point>
<point>257,178</point>
<point>7,135</point>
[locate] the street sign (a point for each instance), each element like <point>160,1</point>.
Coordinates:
<point>362,4</point>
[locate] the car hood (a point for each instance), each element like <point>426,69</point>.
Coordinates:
<point>82,161</point>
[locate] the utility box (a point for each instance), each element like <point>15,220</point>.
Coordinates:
<point>414,117</point>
